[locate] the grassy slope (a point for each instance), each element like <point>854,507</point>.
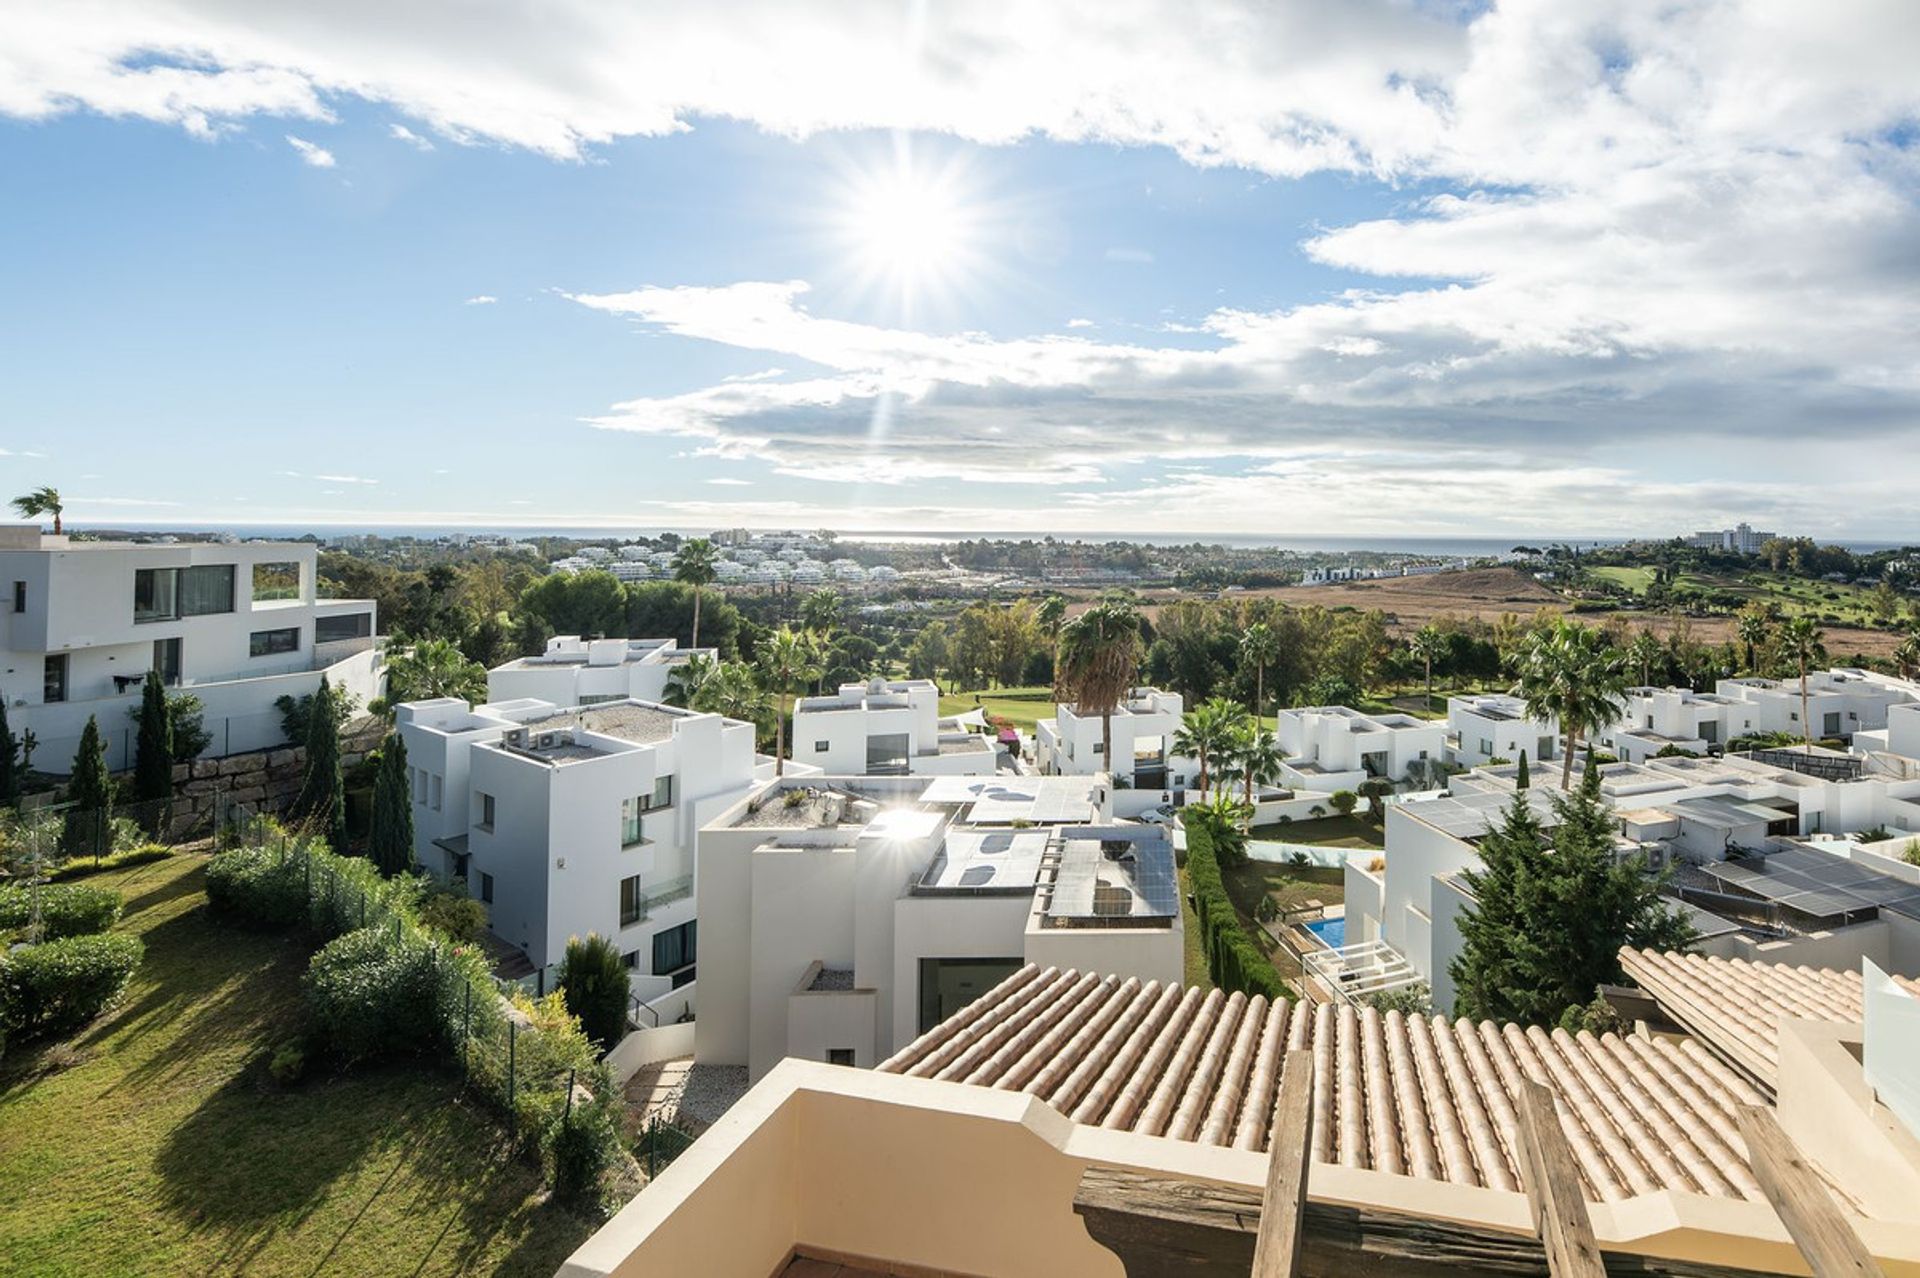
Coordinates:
<point>167,1150</point>
<point>1023,706</point>
<point>1634,579</point>
<point>1333,832</point>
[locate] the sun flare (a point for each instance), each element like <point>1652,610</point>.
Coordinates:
<point>910,230</point>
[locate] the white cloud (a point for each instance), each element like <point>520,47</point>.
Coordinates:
<point>726,482</point>
<point>1130,256</point>
<point>481,299</point>
<point>120,501</point>
<point>401,133</point>
<point>1079,323</point>
<point>9,452</point>
<point>345,479</point>
<point>311,153</point>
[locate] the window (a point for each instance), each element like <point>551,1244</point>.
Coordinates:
<point>19,596</point>
<point>1099,747</point>
<point>839,1056</point>
<point>166,659</point>
<point>662,793</point>
<point>633,901</point>
<point>630,810</point>
<point>819,747</point>
<point>675,948</point>
<point>631,960</point>
<point>486,811</point>
<point>267,643</point>
<point>53,685</point>
<point>486,887</point>
<point>596,698</point>
<point>164,594</point>
<point>433,790</point>
<point>949,984</point>
<point>351,625</point>
<point>276,581</point>
<point>419,776</point>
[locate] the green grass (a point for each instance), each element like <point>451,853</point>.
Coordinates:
<point>166,1149</point>
<point>1633,580</point>
<point>1194,957</point>
<point>1333,832</point>
<point>1024,707</point>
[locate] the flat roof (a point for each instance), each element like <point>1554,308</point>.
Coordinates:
<point>987,861</point>
<point>1816,883</point>
<point>1109,876</point>
<point>1003,800</point>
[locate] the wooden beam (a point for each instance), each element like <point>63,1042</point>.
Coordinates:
<point>1800,1198</point>
<point>1289,1148</point>
<point>1553,1188</point>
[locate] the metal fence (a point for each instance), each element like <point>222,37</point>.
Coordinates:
<point>59,840</point>
<point>657,1144</point>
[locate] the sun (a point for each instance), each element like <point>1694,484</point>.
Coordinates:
<point>910,230</point>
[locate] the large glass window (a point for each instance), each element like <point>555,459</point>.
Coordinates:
<point>276,581</point>
<point>349,625</point>
<point>949,984</point>
<point>53,685</point>
<point>163,594</point>
<point>630,810</point>
<point>662,792</point>
<point>675,948</point>
<point>633,901</point>
<point>265,643</point>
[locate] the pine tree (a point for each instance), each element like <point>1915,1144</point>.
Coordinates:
<point>1498,961</point>
<point>390,841</point>
<point>90,792</point>
<point>10,765</point>
<point>153,761</point>
<point>323,792</point>
<point>594,981</point>
<point>1522,779</point>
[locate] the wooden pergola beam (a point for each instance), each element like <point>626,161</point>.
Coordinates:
<point>1283,1206</point>
<point>1553,1188</point>
<point>1800,1198</point>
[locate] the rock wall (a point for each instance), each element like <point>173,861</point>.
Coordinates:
<point>264,780</point>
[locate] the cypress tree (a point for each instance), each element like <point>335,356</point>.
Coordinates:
<point>323,790</point>
<point>390,841</point>
<point>153,762</point>
<point>1498,961</point>
<point>10,765</point>
<point>90,792</point>
<point>1521,779</point>
<point>594,981</point>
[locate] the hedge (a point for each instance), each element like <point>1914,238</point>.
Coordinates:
<point>140,855</point>
<point>1234,962</point>
<point>65,909</point>
<point>58,986</point>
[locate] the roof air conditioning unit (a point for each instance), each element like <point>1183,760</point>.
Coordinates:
<point>548,740</point>
<point>516,739</point>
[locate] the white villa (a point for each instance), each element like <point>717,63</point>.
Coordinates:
<point>1840,703</point>
<point>237,624</point>
<point>845,915</point>
<point>1497,726</point>
<point>888,728</point>
<point>581,672</point>
<point>569,821</point>
<point>1070,744</point>
<point>1337,748</point>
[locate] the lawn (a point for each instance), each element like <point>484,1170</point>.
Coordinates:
<point>1293,888</point>
<point>155,1143</point>
<point>1023,707</point>
<point>1333,832</point>
<point>1633,580</point>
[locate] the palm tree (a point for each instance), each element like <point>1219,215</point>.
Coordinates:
<point>820,610</point>
<point>1096,660</point>
<point>1643,651</point>
<point>1805,644</point>
<point>1259,648</point>
<point>693,563</point>
<point>1567,669</point>
<point>1427,644</point>
<point>688,677</point>
<point>732,690</point>
<point>434,668</point>
<point>1258,756</point>
<point>43,500</point>
<point>1907,655</point>
<point>787,662</point>
<point>1753,626</point>
<point>1210,731</point>
<point>1050,615</point>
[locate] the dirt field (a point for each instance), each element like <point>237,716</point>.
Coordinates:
<point>1411,602</point>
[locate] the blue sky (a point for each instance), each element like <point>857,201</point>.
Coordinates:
<point>1372,281</point>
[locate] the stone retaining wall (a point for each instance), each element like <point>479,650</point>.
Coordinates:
<point>265,780</point>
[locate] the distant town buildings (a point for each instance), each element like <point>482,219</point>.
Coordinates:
<point>1742,539</point>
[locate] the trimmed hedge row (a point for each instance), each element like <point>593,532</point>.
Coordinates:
<point>142,855</point>
<point>58,986</point>
<point>65,909</point>
<point>1234,962</point>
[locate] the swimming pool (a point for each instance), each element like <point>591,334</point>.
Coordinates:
<point>1332,932</point>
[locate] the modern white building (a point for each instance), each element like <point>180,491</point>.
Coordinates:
<point>1338,748</point>
<point>1497,726</point>
<point>239,625</point>
<point>846,915</point>
<point>578,820</point>
<point>581,672</point>
<point>1741,539</point>
<point>888,728</point>
<point>1144,724</point>
<point>1840,702</point>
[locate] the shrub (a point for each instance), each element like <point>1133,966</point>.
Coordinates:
<point>1343,801</point>
<point>259,886</point>
<point>594,982</point>
<point>583,1145</point>
<point>1408,1000</point>
<point>65,909</point>
<point>57,986</point>
<point>453,914</point>
<point>1233,961</point>
<point>140,854</point>
<point>1911,853</point>
<point>371,995</point>
<point>289,1063</point>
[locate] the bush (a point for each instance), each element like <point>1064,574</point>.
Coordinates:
<point>58,986</point>
<point>289,1063</point>
<point>1343,801</point>
<point>65,909</point>
<point>453,914</point>
<point>1233,961</point>
<point>258,886</point>
<point>594,982</point>
<point>371,995</point>
<point>1408,1000</point>
<point>582,1147</point>
<point>139,855</point>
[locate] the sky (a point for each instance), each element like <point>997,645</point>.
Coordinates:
<point>1064,266</point>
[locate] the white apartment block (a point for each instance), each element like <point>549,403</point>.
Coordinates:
<point>888,728</point>
<point>1144,724</point>
<point>239,625</point>
<point>1841,701</point>
<point>1656,718</point>
<point>1900,737</point>
<point>581,672</point>
<point>844,916</point>
<point>570,821</point>
<point>1741,538</point>
<point>1404,907</point>
<point>1497,726</point>
<point>1338,748</point>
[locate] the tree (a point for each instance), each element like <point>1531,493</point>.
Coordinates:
<point>322,801</point>
<point>1548,919</point>
<point>594,982</point>
<point>693,564</point>
<point>431,669</point>
<point>1566,669</point>
<point>1643,650</point>
<point>390,840</point>
<point>1259,648</point>
<point>1210,731</point>
<point>1097,658</point>
<point>1906,656</point>
<point>11,765</point>
<point>1521,777</point>
<point>1427,645</point>
<point>688,677</point>
<point>1258,757</point>
<point>1804,643</point>
<point>820,611</point>
<point>1050,614</point>
<point>1343,801</point>
<point>1752,627</point>
<point>733,691</point>
<point>153,757</point>
<point>43,500</point>
<point>90,794</point>
<point>787,664</point>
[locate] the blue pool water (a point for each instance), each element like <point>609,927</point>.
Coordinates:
<point>1332,932</point>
